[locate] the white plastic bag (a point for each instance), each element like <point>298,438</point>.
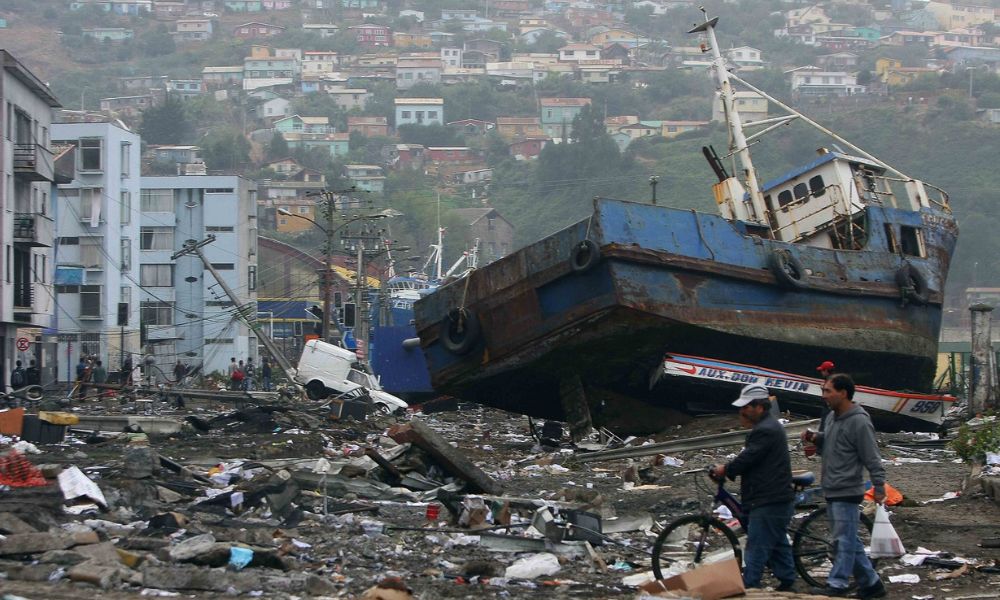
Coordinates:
<point>885,540</point>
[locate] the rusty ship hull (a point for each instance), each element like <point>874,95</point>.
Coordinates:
<point>548,332</point>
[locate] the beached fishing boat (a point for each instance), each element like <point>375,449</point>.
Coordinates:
<point>844,258</point>
<point>707,384</point>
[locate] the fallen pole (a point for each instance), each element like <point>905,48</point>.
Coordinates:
<point>717,440</point>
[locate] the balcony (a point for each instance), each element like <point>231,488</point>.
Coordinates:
<point>35,230</point>
<point>160,333</point>
<point>33,162</point>
<point>24,298</point>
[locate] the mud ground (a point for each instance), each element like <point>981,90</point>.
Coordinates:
<point>434,564</point>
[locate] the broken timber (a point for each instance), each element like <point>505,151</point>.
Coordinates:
<point>718,440</point>
<point>451,459</point>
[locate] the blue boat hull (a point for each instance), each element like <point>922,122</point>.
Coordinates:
<point>693,283</point>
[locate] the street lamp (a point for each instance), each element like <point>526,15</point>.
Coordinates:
<point>327,280</point>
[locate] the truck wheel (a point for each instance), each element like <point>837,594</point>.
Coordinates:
<point>315,390</point>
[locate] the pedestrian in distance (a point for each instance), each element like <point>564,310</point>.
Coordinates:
<point>100,375</point>
<point>826,368</point>
<point>231,373</point>
<point>17,379</point>
<point>265,373</point>
<point>848,447</point>
<point>765,471</point>
<point>32,376</point>
<point>126,374</point>
<point>248,372</point>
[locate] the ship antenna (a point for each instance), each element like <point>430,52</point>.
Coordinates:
<point>738,142</point>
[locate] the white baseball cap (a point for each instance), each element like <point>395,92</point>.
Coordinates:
<point>749,393</point>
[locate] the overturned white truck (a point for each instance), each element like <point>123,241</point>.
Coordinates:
<point>326,370</point>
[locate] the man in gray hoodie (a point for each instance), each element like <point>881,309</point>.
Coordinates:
<point>847,445</point>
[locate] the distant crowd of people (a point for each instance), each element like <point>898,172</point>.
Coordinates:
<point>243,376</point>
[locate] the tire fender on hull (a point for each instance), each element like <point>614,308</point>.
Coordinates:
<point>460,331</point>
<point>584,256</point>
<point>912,283</point>
<point>787,268</point>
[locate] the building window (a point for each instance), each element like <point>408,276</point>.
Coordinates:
<point>252,278</point>
<point>126,208</point>
<point>432,114</point>
<point>219,191</point>
<point>125,295</point>
<point>156,313</point>
<point>90,154</point>
<point>157,201</point>
<point>90,301</point>
<point>90,343</point>
<point>218,229</point>
<point>91,256</point>
<point>405,114</point>
<point>156,275</point>
<point>303,210</point>
<point>224,266</point>
<point>156,238</point>
<point>126,166</point>
<point>126,261</point>
<point>91,200</point>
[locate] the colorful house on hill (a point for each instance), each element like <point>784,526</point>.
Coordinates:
<point>107,34</point>
<point>370,35</point>
<point>366,177</point>
<point>368,126</point>
<point>557,116</point>
<point>254,30</point>
<point>515,128</point>
<point>243,5</point>
<point>419,111</point>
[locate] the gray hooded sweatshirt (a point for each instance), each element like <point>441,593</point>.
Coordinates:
<point>848,446</point>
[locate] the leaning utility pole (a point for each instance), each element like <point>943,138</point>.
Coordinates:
<point>246,312</point>
<point>367,240</point>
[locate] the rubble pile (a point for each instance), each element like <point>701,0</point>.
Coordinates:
<point>285,502</point>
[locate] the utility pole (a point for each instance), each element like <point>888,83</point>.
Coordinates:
<point>366,240</point>
<point>982,396</point>
<point>653,180</point>
<point>327,271</point>
<point>246,312</point>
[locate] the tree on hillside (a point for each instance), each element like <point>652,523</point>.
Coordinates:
<point>429,135</point>
<point>277,148</point>
<point>157,42</point>
<point>166,124</point>
<point>225,149</point>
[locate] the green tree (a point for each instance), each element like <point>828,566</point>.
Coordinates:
<point>277,148</point>
<point>157,42</point>
<point>429,135</point>
<point>225,149</point>
<point>166,124</point>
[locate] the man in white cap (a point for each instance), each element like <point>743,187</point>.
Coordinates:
<point>765,472</point>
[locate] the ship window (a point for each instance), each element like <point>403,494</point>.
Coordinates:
<point>816,186</point>
<point>911,241</point>
<point>801,191</point>
<point>890,236</point>
<point>784,198</point>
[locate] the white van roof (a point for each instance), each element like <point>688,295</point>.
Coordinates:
<point>321,346</point>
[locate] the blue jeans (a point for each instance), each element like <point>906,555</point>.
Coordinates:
<point>849,552</point>
<point>767,544</point>
<point>267,384</point>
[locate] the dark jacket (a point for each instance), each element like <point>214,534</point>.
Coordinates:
<point>848,446</point>
<point>764,467</point>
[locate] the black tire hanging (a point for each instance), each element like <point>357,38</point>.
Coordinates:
<point>460,331</point>
<point>787,268</point>
<point>584,256</point>
<point>912,283</point>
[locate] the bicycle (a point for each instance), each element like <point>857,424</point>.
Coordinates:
<point>812,542</point>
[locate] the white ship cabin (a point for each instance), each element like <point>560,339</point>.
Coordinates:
<point>821,203</point>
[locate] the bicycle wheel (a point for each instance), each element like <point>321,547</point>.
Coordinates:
<point>812,546</point>
<point>701,535</point>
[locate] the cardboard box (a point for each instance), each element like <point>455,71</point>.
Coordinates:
<point>11,421</point>
<point>710,582</point>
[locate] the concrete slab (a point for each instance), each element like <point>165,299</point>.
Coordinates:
<point>116,423</point>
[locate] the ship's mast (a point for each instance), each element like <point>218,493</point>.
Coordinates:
<point>757,210</point>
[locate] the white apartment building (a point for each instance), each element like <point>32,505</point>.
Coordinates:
<point>186,313</point>
<point>97,266</point>
<point>27,177</point>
